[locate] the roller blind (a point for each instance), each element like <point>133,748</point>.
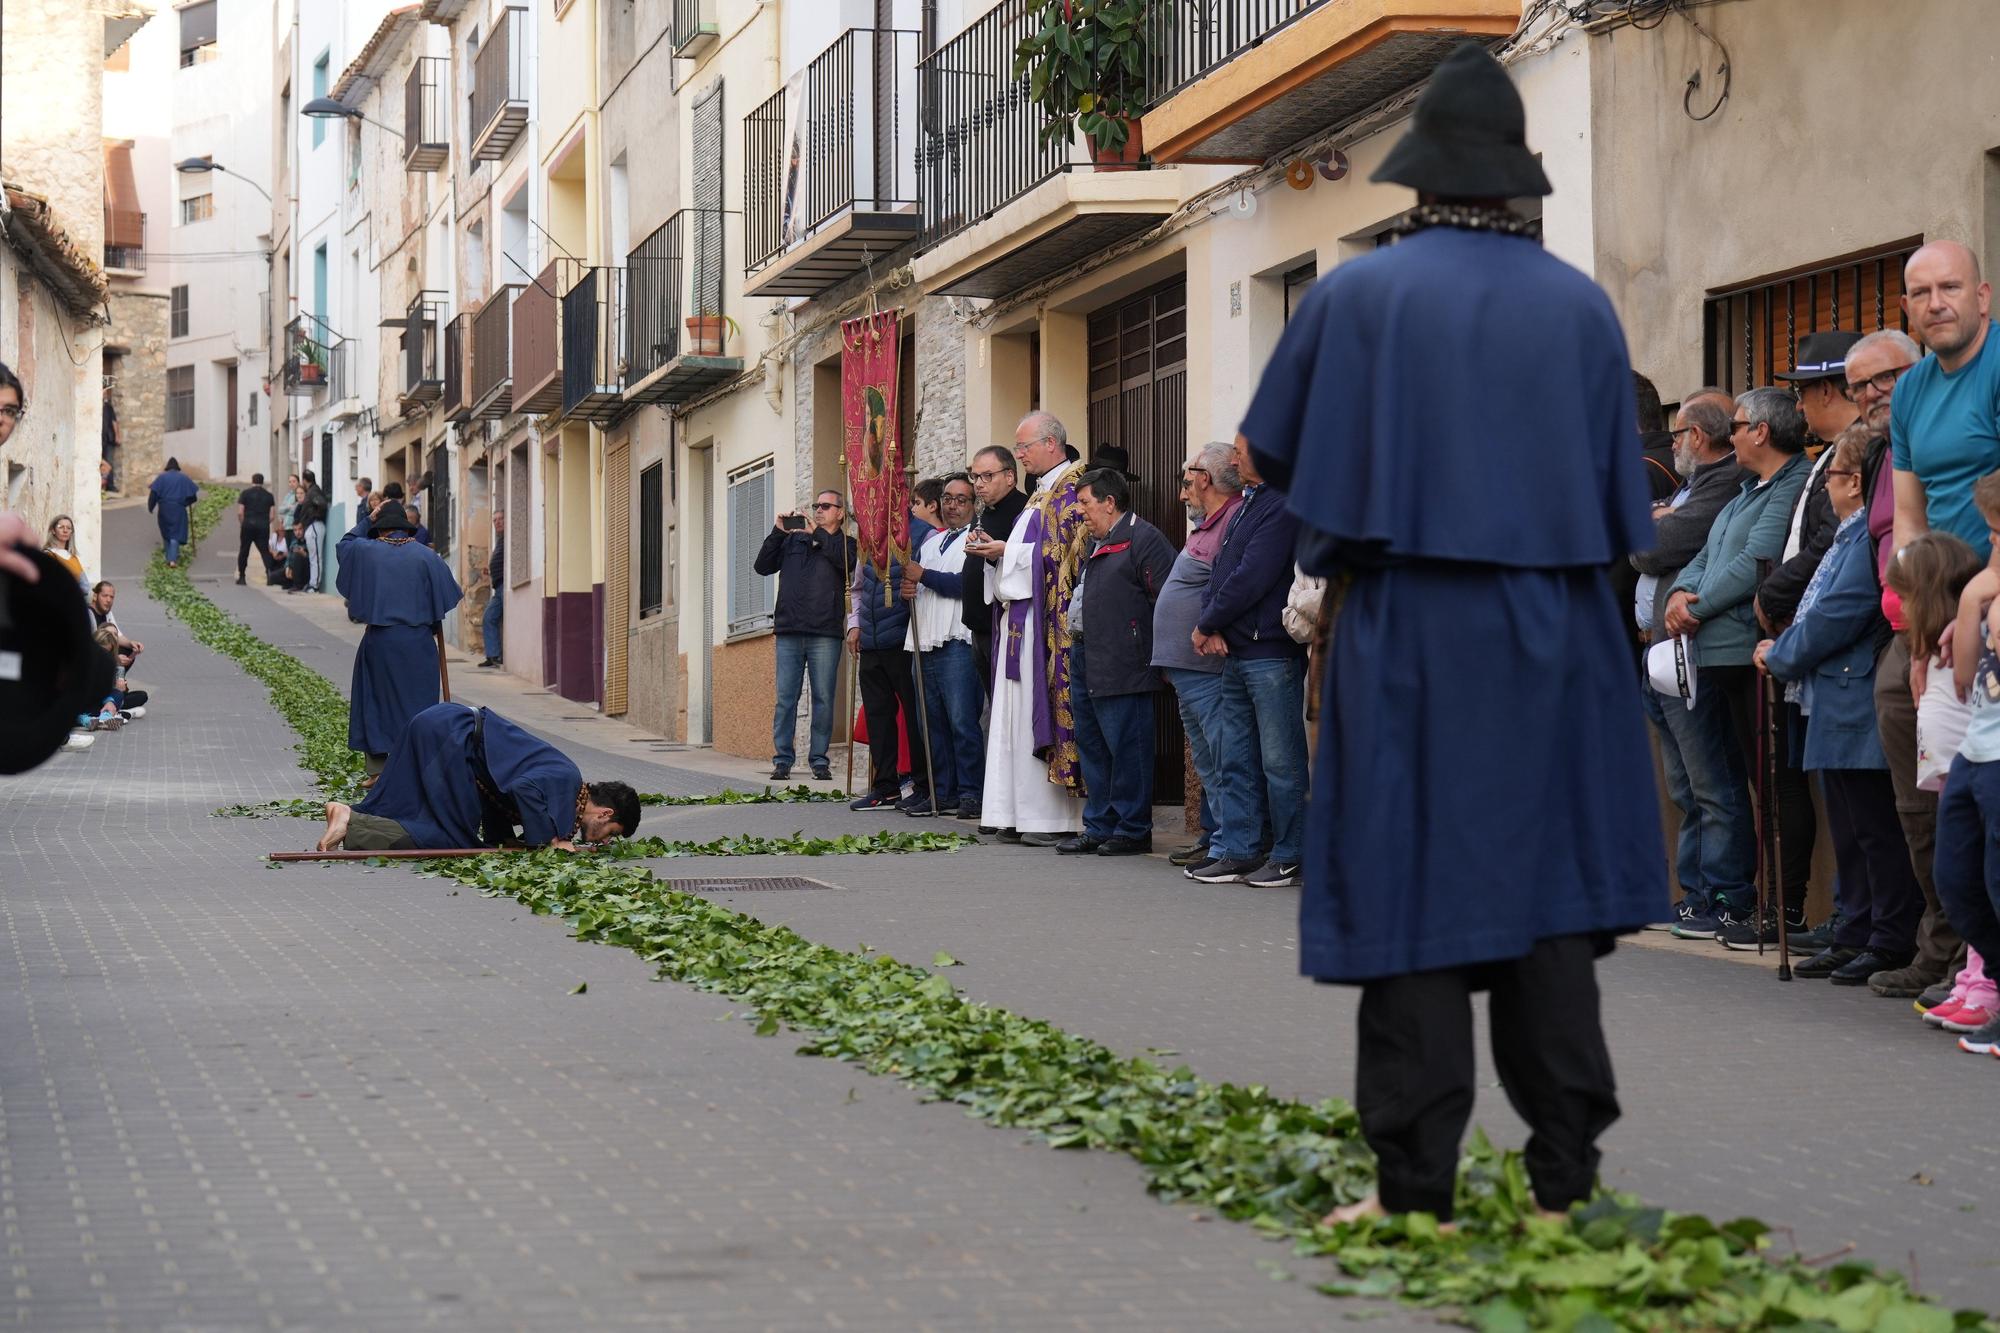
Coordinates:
<point>198,25</point>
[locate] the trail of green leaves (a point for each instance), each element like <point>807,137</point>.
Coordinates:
<point>301,807</point>
<point>1277,1165</point>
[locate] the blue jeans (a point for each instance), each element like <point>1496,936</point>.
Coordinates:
<point>1260,724</point>
<point>489,632</point>
<point>1196,693</point>
<point>1967,868</point>
<point>1114,738</point>
<point>798,656</point>
<point>1715,858</point>
<point>952,694</point>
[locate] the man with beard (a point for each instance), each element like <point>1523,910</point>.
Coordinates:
<point>1703,762</point>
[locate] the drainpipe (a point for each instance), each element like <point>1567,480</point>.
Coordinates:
<point>774,382</point>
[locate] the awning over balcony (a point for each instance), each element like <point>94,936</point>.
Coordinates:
<point>1243,82</point>
<point>124,225</point>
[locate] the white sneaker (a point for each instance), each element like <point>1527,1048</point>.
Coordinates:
<point>79,740</point>
<point>134,714</point>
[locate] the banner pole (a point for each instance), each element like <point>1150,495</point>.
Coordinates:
<point>846,586</point>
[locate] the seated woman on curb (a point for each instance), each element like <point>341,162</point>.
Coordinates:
<point>466,777</point>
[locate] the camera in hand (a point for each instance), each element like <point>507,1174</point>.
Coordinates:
<point>795,522</point>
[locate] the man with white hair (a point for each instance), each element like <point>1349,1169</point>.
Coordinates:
<point>1034,774</point>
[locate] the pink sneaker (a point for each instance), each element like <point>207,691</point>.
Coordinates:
<point>1969,1018</point>
<point>1950,1009</point>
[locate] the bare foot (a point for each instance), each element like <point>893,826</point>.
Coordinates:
<point>336,826</point>
<point>369,781</point>
<point>1370,1207</point>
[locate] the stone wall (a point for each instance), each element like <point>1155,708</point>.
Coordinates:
<point>138,333</point>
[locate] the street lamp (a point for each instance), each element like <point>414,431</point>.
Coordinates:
<point>201,166</point>
<point>326,108</point>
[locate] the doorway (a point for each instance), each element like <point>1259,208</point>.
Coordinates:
<point>229,465</point>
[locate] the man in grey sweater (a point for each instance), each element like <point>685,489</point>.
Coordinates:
<point>1704,765</point>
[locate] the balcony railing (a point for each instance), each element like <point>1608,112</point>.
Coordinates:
<point>593,342</point>
<point>308,365</point>
<point>694,27</point>
<point>537,366</point>
<point>125,240</point>
<point>456,403</point>
<point>492,356</point>
<point>1188,38</point>
<point>981,146</point>
<point>677,331</point>
<point>836,177</point>
<point>500,86</point>
<point>426,131</point>
<point>423,368</point>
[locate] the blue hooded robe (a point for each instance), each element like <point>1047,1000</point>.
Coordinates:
<point>1453,420</point>
<point>402,590</point>
<point>171,495</point>
<point>466,777</point>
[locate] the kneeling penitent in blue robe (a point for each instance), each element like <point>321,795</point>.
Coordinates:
<point>402,590</point>
<point>466,777</point>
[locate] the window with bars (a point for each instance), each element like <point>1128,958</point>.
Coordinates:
<point>752,597</point>
<point>1751,331</point>
<point>180,398</point>
<point>177,312</point>
<point>652,544</point>
<point>197,208</point>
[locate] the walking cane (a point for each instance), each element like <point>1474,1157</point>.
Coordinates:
<point>1772,886</point>
<point>444,672</point>
<point>923,707</point>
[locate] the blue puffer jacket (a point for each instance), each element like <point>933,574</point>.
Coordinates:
<point>881,626</point>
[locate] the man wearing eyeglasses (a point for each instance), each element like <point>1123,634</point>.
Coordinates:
<point>812,563</point>
<point>995,485</point>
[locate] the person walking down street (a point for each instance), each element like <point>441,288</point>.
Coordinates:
<point>878,624</point>
<point>1829,651</point>
<point>402,591</point>
<point>812,562</point>
<point>1111,666</point>
<point>171,496</point>
<point>935,588</point>
<point>1034,776</point>
<point>253,523</point>
<point>467,777</point>
<point>1259,730</point>
<point>1477,619</point>
<point>493,623</point>
<point>1212,491</point>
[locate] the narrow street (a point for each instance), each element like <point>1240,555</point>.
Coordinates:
<point>235,1097</point>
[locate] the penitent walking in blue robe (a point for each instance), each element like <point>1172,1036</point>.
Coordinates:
<point>1453,418</point>
<point>402,590</point>
<point>432,786</point>
<point>170,497</point>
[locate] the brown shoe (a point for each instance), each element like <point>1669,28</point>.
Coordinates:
<point>1904,983</point>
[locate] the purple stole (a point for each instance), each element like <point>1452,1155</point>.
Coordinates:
<point>1054,725</point>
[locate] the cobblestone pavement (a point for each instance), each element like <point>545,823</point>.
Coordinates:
<point>329,1097</point>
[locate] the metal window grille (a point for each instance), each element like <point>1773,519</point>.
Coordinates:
<point>1752,331</point>
<point>180,398</point>
<point>652,546</point>
<point>438,505</point>
<point>752,598</point>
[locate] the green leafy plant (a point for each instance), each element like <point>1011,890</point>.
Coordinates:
<point>1086,68</point>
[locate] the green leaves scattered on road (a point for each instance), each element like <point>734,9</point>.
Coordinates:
<point>1278,1165</point>
<point>746,844</point>
<point>799,795</point>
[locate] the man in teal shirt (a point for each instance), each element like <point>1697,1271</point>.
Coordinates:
<point>1944,422</point>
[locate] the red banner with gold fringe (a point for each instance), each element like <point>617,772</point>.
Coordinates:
<point>878,480</point>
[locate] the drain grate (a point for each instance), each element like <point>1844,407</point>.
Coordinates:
<point>748,884</point>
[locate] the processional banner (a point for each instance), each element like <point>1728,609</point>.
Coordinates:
<point>878,482</point>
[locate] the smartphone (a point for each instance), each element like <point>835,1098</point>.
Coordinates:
<point>796,522</point>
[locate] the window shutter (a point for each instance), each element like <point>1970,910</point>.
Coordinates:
<point>707,239</point>
<point>751,596</point>
<point>652,554</point>
<point>198,25</point>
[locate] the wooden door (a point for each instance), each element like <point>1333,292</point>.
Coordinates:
<point>1138,401</point>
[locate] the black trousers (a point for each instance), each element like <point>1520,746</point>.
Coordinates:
<point>253,539</point>
<point>1880,899</point>
<point>1414,1072</point>
<point>885,680</point>
<point>1794,803</point>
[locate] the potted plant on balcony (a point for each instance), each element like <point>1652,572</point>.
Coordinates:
<point>706,332</point>
<point>1086,67</point>
<point>312,363</point>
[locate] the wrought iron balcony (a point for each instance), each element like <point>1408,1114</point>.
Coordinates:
<point>537,369</point>
<point>124,240</point>
<point>1242,80</point>
<point>426,128</point>
<point>593,342</point>
<point>677,331</point>
<point>1001,209</point>
<point>308,364</point>
<point>830,184</point>
<point>694,27</point>
<point>492,356</point>
<point>456,402</point>
<point>423,342</point>
<point>500,84</point>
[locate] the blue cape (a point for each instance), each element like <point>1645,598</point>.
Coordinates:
<point>402,584</point>
<point>428,786</point>
<point>1405,413</point>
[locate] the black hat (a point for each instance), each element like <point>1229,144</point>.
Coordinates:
<point>1114,457</point>
<point>51,670</point>
<point>391,518</point>
<point>1823,356</point>
<point>1469,136</point>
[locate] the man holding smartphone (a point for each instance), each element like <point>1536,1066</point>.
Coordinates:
<point>812,562</point>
